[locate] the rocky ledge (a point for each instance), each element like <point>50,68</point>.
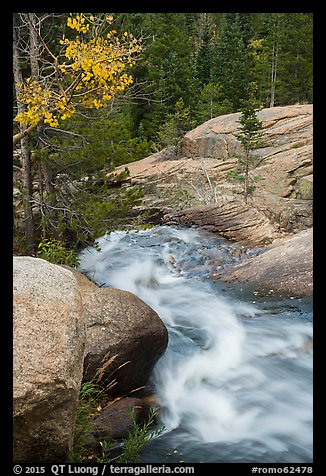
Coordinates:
<point>192,186</point>
<point>286,267</point>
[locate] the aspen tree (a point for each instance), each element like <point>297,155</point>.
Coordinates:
<point>85,68</point>
<point>89,71</point>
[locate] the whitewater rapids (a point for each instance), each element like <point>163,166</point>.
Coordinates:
<point>235,383</point>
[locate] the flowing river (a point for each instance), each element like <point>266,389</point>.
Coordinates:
<point>235,383</point>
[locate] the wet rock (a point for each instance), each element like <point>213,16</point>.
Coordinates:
<point>125,337</point>
<point>91,444</point>
<point>230,217</point>
<point>115,420</point>
<point>287,266</point>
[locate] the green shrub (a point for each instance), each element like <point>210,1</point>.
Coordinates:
<point>234,175</point>
<point>94,396</point>
<point>138,436</point>
<point>86,408</point>
<point>56,252</point>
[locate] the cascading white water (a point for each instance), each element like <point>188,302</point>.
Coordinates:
<point>233,373</point>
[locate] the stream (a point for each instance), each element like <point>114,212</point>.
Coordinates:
<point>235,383</point>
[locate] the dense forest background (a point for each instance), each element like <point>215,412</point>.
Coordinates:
<point>193,66</point>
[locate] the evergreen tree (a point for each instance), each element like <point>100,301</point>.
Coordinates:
<point>249,136</point>
<point>204,56</point>
<point>266,50</point>
<point>190,22</point>
<point>168,72</point>
<point>175,126</point>
<point>282,49</point>
<point>231,70</point>
<point>246,22</point>
<point>295,59</point>
<point>211,103</point>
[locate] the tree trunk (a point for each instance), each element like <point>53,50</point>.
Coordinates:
<point>48,177</point>
<point>273,76</point>
<point>27,195</point>
<point>27,188</point>
<point>41,193</point>
<point>274,66</point>
<point>45,170</point>
<point>33,44</point>
<point>271,104</point>
<point>246,174</point>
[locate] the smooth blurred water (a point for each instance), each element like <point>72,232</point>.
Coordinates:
<point>235,384</point>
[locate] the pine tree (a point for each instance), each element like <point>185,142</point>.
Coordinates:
<point>249,136</point>
<point>168,72</point>
<point>175,126</point>
<point>211,103</point>
<point>295,59</point>
<point>231,69</point>
<point>282,49</point>
<point>204,57</point>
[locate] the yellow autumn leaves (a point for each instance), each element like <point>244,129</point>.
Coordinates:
<point>43,104</point>
<point>78,23</point>
<point>89,72</point>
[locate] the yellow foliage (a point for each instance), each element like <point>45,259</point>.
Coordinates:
<point>78,24</point>
<point>257,47</point>
<point>89,72</point>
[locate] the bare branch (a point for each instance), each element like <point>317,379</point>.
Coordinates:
<point>20,135</point>
<point>42,41</point>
